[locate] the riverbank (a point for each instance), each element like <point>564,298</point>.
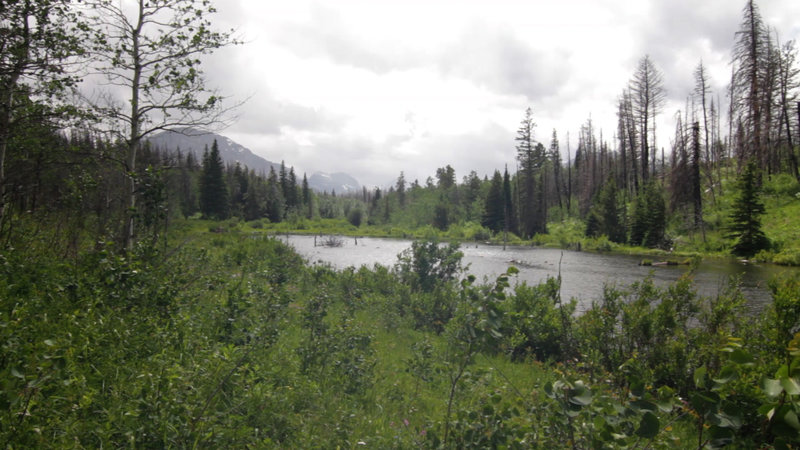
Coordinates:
<point>566,235</point>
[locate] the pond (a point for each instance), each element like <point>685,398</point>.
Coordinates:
<point>583,274</point>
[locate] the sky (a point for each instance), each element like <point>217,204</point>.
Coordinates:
<point>376,87</point>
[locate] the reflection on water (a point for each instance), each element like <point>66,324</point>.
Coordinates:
<point>583,274</point>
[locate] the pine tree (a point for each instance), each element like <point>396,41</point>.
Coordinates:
<point>531,157</point>
<point>274,202</point>
<point>494,209</point>
<point>401,190</point>
<point>307,198</point>
<point>745,227</point>
<point>510,213</point>
<point>648,223</point>
<point>606,216</point>
<point>213,192</point>
<point>291,190</point>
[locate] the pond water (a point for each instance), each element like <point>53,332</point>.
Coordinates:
<point>583,274</point>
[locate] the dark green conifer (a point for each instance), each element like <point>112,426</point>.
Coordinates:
<point>494,209</point>
<point>213,192</point>
<point>745,217</point>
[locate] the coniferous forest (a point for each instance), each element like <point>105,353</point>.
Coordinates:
<point>145,302</point>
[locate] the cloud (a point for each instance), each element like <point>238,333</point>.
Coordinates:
<point>242,78</point>
<point>504,63</point>
<point>326,35</point>
<point>373,88</point>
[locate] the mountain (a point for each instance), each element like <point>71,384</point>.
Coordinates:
<point>340,182</point>
<point>230,151</point>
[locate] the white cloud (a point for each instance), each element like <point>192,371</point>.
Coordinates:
<point>373,87</point>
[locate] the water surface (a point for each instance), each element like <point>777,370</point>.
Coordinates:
<point>583,274</point>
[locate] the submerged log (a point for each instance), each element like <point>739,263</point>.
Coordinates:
<point>645,262</point>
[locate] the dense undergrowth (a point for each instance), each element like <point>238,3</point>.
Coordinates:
<point>228,340</point>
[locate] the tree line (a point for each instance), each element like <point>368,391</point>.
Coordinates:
<point>623,187</point>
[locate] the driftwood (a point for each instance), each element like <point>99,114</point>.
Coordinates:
<point>663,263</point>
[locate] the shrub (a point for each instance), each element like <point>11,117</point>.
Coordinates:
<point>355,217</point>
<point>788,257</point>
<point>536,323</point>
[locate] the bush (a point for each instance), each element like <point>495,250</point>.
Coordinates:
<point>788,257</point>
<point>536,322</point>
<point>355,217</point>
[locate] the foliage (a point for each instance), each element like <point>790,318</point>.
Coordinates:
<point>428,264</point>
<point>494,209</point>
<point>745,226</point>
<point>648,223</point>
<point>607,215</point>
<point>537,324</point>
<point>355,217</point>
<point>213,192</point>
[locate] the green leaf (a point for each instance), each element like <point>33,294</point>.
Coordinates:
<point>648,426</point>
<point>665,405</point>
<point>15,373</point>
<point>581,396</point>
<point>700,377</point>
<point>790,385</point>
<point>548,389</point>
<point>771,387</point>
<point>790,418</point>
<point>725,420</point>
<point>726,375</point>
<point>703,403</point>
<point>512,270</point>
<point>741,357</point>
<point>768,410</point>
<point>643,405</point>
<point>721,437</point>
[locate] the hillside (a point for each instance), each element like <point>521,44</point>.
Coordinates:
<point>339,182</point>
<point>196,141</point>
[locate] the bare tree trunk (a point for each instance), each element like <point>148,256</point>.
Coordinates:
<point>135,121</point>
<point>696,191</point>
<point>792,156</point>
<point>6,107</point>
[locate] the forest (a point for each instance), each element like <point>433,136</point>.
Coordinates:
<point>145,302</point>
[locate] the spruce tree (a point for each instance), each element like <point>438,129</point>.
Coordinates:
<point>745,217</point>
<point>213,192</point>
<point>648,223</point>
<point>508,202</point>
<point>274,202</point>
<point>494,209</point>
<point>307,198</point>
<point>606,215</point>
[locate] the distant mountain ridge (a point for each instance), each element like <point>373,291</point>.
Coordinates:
<point>339,182</point>
<point>231,152</point>
<point>196,142</point>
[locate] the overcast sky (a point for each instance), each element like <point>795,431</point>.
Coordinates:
<point>375,87</point>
